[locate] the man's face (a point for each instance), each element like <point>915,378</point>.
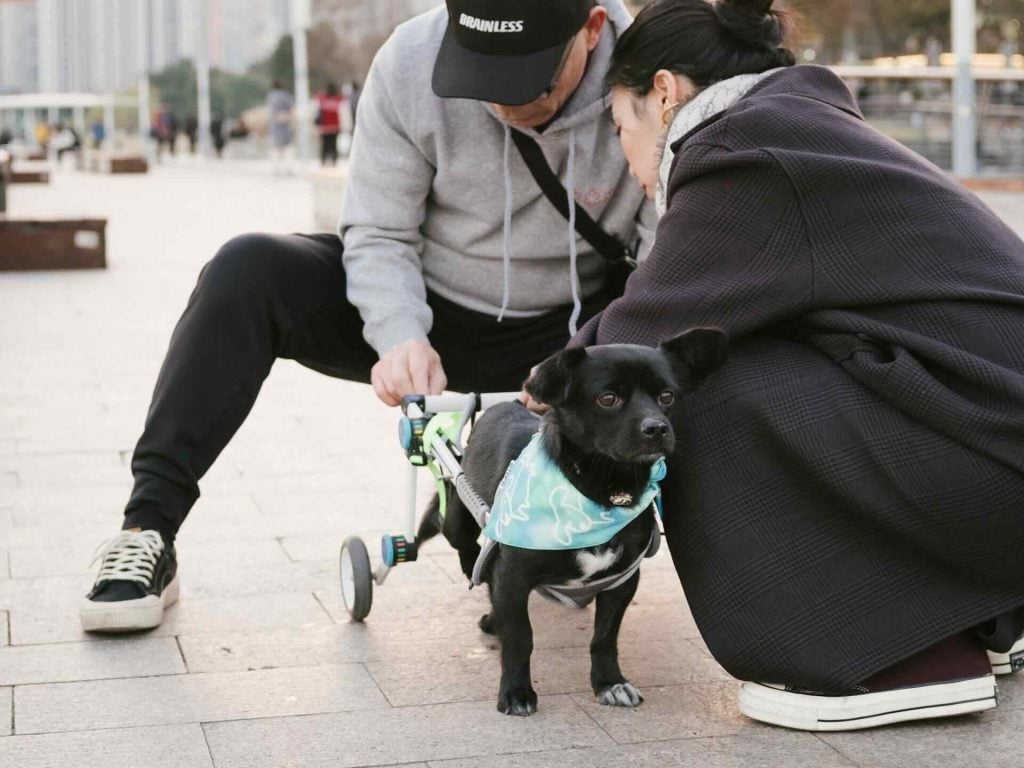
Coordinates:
<point>567,78</point>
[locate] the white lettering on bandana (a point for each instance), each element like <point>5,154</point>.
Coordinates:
<point>489,25</point>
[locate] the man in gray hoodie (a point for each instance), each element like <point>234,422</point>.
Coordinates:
<point>456,269</point>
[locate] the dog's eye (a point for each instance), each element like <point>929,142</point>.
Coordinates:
<point>608,400</point>
<point>666,398</point>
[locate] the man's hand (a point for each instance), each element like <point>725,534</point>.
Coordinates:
<point>526,399</point>
<point>413,367</point>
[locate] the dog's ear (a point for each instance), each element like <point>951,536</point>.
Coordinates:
<point>696,353</point>
<point>551,381</point>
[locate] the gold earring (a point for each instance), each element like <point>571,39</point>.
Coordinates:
<point>666,117</point>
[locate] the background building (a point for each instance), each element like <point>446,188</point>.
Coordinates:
<point>92,45</point>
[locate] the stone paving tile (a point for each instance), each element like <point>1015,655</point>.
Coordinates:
<point>423,641</point>
<point>446,610</point>
<point>406,734</point>
<point>171,746</point>
<point>768,748</point>
<point>672,712</point>
<point>46,611</point>
<point>467,676</point>
<point>213,578</point>
<point>274,647</point>
<point>1011,691</point>
<point>5,631</point>
<point>5,564</point>
<point>98,658</point>
<point>6,713</point>
<point>67,469</point>
<point>985,740</point>
<point>58,506</point>
<point>306,547</point>
<point>194,698</point>
<point>338,502</point>
<point>75,557</point>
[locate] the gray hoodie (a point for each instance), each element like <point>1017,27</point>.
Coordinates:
<point>439,199</point>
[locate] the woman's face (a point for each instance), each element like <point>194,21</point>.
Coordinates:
<point>641,123</point>
<point>640,130</point>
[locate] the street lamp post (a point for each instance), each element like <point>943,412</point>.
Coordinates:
<point>300,21</point>
<point>203,79</point>
<point>965,129</point>
<point>142,33</point>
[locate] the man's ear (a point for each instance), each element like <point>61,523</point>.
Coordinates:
<point>551,381</point>
<point>696,353</point>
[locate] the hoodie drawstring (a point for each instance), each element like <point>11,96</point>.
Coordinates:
<point>570,186</point>
<point>574,278</point>
<point>507,230</point>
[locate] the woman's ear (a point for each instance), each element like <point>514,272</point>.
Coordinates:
<point>672,89</point>
<point>551,381</point>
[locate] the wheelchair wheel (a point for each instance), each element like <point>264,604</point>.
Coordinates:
<point>356,578</point>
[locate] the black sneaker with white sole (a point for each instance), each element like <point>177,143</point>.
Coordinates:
<point>1009,661</point>
<point>138,579</point>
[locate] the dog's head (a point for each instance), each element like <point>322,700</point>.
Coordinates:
<point>615,399</point>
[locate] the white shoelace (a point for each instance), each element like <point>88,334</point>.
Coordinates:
<point>130,556</point>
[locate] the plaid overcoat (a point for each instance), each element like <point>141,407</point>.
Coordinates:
<point>849,488</point>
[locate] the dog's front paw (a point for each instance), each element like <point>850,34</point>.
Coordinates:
<point>620,695</point>
<point>518,701</point>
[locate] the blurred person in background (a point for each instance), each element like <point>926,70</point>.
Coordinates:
<point>328,123</point>
<point>280,125</point>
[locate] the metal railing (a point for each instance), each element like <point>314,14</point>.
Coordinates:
<point>915,106</point>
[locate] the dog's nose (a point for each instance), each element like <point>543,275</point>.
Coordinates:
<point>653,428</point>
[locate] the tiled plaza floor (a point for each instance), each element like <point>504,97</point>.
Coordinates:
<point>257,665</point>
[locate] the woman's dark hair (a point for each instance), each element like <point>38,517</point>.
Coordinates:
<point>705,41</point>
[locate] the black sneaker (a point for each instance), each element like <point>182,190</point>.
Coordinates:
<point>137,581</point>
<point>1010,661</point>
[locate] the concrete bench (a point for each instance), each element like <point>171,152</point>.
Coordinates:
<point>29,173</point>
<point>103,162</point>
<point>31,244</point>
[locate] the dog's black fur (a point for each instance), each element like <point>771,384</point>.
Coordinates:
<point>607,425</point>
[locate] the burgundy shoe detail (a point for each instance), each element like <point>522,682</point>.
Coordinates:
<point>960,657</point>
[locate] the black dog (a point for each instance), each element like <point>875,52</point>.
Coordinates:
<point>607,427</point>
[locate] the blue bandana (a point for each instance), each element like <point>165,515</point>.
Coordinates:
<point>536,507</point>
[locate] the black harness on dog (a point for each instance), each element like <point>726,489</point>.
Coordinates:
<point>573,595</point>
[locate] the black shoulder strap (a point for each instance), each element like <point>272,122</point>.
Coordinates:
<point>609,246</point>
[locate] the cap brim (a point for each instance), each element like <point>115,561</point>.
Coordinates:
<point>511,80</point>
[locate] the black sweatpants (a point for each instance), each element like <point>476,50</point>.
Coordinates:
<point>328,149</point>
<point>268,296</point>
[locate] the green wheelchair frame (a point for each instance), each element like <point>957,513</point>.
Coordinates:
<point>430,432</point>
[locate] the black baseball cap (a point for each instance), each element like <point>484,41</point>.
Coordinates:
<point>505,51</point>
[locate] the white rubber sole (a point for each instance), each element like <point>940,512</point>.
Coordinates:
<point>849,713</point>
<point>1011,661</point>
<point>128,615</point>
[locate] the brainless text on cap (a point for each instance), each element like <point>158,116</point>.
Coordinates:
<point>490,25</point>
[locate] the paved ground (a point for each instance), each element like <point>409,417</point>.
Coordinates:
<point>257,665</point>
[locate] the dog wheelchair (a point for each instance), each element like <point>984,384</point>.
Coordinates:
<point>430,432</point>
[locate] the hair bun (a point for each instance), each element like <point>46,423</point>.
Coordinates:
<point>752,21</point>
